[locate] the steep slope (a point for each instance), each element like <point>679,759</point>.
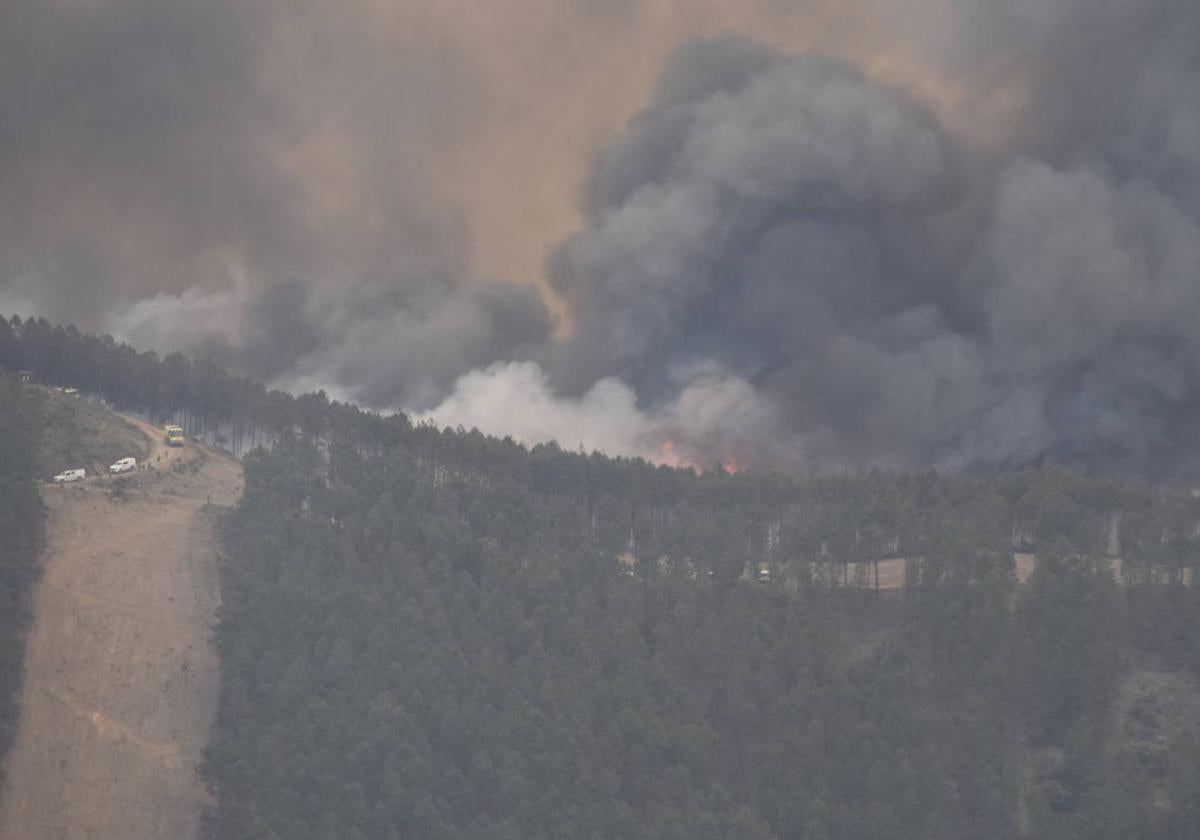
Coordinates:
<point>76,433</point>
<point>121,682</point>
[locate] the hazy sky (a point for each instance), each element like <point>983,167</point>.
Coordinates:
<point>155,146</point>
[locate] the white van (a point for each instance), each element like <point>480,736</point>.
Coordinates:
<point>123,466</point>
<point>70,475</point>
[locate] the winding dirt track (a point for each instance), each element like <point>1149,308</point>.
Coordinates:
<point>120,678</point>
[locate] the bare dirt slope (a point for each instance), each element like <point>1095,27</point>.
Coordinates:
<point>121,681</point>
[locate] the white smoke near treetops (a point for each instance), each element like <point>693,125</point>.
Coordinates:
<point>713,420</point>
<point>195,319</point>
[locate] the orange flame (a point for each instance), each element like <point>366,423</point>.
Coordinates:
<point>668,454</point>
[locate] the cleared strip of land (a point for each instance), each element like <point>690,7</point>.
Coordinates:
<point>121,680</point>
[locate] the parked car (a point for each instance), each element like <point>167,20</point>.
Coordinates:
<point>123,466</point>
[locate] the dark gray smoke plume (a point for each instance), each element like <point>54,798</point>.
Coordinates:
<point>894,296</point>
<point>784,260</point>
<point>760,215</point>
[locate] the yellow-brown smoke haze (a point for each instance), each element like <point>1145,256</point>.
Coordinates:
<point>459,128</point>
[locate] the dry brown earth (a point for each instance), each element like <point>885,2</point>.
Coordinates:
<point>121,680</point>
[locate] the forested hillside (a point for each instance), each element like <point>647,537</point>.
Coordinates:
<point>234,412</point>
<point>430,635</point>
<point>435,634</point>
<point>20,540</point>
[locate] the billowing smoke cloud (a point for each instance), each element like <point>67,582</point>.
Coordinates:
<point>788,220</point>
<point>382,343</point>
<point>897,296</point>
<point>990,254</point>
<point>758,215</point>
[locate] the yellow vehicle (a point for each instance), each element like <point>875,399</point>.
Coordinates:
<point>174,435</point>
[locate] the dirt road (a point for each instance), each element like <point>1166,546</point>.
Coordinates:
<point>121,681</point>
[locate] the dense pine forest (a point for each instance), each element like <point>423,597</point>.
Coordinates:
<point>20,540</point>
<point>435,634</point>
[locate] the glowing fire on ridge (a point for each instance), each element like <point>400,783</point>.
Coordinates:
<point>670,456</point>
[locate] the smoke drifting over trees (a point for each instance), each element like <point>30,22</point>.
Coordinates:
<point>783,258</point>
<point>893,294</point>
